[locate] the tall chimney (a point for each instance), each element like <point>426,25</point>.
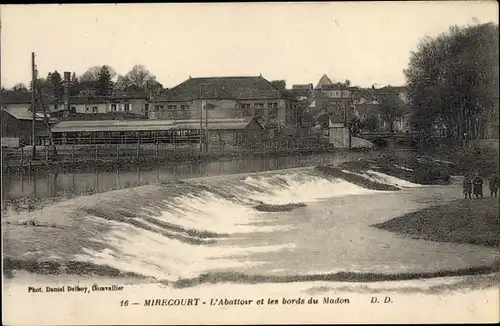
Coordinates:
<point>66,80</point>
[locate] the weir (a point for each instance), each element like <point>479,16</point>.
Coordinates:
<point>208,229</point>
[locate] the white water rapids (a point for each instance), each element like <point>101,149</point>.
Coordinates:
<point>181,230</point>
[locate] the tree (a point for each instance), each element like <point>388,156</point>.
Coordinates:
<point>371,123</point>
<point>74,85</point>
<point>54,85</point>
<point>88,81</point>
<point>391,107</point>
<point>356,125</point>
<point>104,85</point>
<point>140,77</point>
<point>20,88</point>
<point>279,84</point>
<point>453,80</point>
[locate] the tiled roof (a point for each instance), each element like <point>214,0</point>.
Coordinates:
<point>224,87</point>
<point>24,113</point>
<point>149,125</point>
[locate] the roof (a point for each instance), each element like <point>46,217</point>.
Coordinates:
<point>302,87</point>
<point>149,125</point>
<point>223,88</point>
<point>24,113</point>
<point>324,80</point>
<point>105,116</point>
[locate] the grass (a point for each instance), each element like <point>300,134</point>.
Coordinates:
<point>462,221</point>
<point>234,277</point>
<point>278,208</point>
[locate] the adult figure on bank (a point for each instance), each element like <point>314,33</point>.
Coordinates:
<point>477,184</point>
<point>493,183</point>
<point>467,186</point>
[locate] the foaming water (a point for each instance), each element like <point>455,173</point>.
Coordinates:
<point>300,187</point>
<point>385,179</point>
<point>183,229</point>
<point>131,249</point>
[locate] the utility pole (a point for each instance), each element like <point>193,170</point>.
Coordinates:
<point>206,118</point>
<point>201,118</point>
<point>33,104</point>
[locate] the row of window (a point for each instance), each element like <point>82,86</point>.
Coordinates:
<point>95,109</point>
<point>272,105</point>
<point>171,107</point>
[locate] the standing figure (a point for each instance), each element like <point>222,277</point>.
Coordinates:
<point>467,184</point>
<point>477,183</point>
<point>494,184</point>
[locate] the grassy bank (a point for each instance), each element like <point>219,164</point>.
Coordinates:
<point>460,221</point>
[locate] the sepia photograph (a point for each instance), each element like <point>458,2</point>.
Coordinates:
<point>250,163</point>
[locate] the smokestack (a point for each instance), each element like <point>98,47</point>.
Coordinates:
<point>66,80</point>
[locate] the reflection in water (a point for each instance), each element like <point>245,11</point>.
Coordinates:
<point>58,183</point>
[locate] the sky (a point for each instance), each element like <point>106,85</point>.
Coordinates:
<point>365,42</point>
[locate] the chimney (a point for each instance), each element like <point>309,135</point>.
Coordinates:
<point>66,80</point>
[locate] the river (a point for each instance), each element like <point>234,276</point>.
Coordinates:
<point>44,184</point>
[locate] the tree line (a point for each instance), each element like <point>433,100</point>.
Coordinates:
<point>96,81</point>
<point>452,83</point>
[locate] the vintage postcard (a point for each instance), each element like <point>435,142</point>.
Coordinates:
<point>250,163</point>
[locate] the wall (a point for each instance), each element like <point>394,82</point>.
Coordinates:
<point>339,137</point>
<point>22,129</point>
<point>135,106</point>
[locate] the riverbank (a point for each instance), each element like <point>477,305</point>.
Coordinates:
<point>461,221</point>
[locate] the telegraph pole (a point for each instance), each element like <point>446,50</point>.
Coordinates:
<point>206,118</point>
<point>33,105</point>
<point>201,118</point>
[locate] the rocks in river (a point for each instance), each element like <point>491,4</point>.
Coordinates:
<point>278,208</point>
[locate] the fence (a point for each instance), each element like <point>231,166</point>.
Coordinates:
<point>160,149</point>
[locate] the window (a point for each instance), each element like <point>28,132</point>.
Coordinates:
<point>259,112</point>
<point>171,107</point>
<point>113,107</point>
<point>244,105</point>
<point>87,109</point>
<point>94,109</point>
<point>56,107</point>
<point>73,109</point>
<point>259,105</point>
<point>272,105</point>
<point>126,107</point>
<point>184,107</point>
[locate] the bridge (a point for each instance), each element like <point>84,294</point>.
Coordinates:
<point>391,140</point>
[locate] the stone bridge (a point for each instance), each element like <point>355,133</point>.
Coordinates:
<point>391,140</point>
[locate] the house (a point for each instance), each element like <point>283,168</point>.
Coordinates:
<point>132,102</point>
<point>17,124</point>
<point>338,91</point>
<point>227,97</point>
<point>302,91</point>
<point>236,131</point>
<point>339,133</point>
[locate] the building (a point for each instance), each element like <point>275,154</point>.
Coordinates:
<point>17,124</point>
<point>302,91</point>
<point>237,131</point>
<point>227,97</point>
<point>130,102</point>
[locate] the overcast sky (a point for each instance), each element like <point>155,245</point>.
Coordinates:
<point>367,43</point>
